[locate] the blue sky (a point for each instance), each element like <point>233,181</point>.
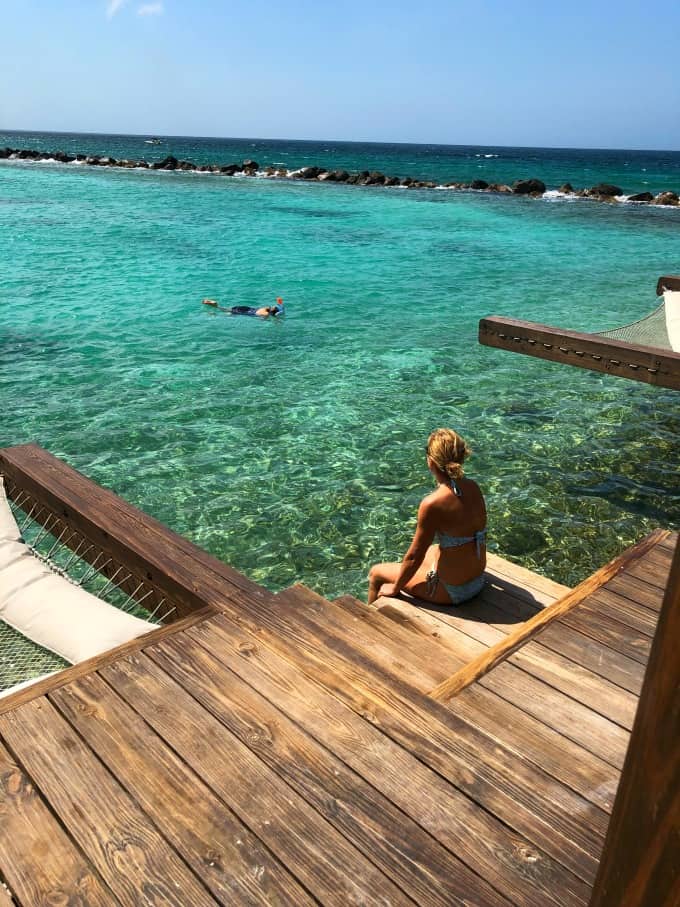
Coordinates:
<point>583,74</point>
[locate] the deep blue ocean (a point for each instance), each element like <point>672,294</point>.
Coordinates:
<point>293,449</point>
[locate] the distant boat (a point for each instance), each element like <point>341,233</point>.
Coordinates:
<point>153,142</point>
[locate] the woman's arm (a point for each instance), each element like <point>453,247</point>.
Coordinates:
<point>422,539</point>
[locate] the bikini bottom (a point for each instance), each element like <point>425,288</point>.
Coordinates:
<point>457,594</point>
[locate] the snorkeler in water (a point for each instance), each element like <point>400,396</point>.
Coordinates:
<point>266,311</point>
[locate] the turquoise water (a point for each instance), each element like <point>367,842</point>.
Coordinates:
<point>294,449</point>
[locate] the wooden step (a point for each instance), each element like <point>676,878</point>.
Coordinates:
<point>387,698</point>
<point>580,683</point>
<point>482,843</point>
<point>551,816</point>
<point>571,610</point>
<point>531,697</point>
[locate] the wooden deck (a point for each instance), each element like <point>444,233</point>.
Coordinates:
<point>284,750</point>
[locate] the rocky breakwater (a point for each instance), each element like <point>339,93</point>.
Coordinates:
<point>534,188</point>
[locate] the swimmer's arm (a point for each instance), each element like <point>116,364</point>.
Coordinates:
<point>422,539</point>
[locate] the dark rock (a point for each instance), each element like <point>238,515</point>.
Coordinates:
<point>250,165</point>
<point>581,193</point>
<point>352,179</point>
<point>168,163</point>
<point>606,190</point>
<point>92,161</point>
<point>479,184</point>
<point>641,197</point>
<point>230,169</point>
<point>107,162</point>
<point>527,187</point>
<point>566,188</point>
<point>406,181</point>
<point>27,154</point>
<point>375,178</point>
<point>341,176</point>
<point>392,181</point>
<point>666,198</point>
<point>5,153</point>
<point>308,173</point>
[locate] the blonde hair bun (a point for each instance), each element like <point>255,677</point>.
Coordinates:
<point>448,450</point>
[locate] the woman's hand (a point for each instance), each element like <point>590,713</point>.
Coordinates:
<point>387,590</point>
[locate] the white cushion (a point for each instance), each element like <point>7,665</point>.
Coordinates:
<point>52,611</point>
<point>8,526</point>
<point>671,299</point>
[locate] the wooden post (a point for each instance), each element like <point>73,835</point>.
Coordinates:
<point>640,865</point>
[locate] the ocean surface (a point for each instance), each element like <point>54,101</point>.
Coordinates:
<point>293,449</point>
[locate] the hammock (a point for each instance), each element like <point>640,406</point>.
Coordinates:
<point>647,350</point>
<point>659,329</point>
<point>77,607</point>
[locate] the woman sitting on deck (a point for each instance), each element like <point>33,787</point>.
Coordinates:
<point>452,571</point>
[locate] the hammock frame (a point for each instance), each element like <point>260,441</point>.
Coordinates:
<point>595,352</point>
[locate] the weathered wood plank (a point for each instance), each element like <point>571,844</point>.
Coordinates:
<point>127,851</point>
<point>526,581</point>
<point>397,845</point>
<point>639,866</point>
<point>571,678</point>
<point>594,655</point>
<point>611,632</point>
<point>544,722</point>
<point>638,591</point>
<point>41,863</point>
<point>488,846</point>
<point>61,678</point>
<point>328,866</point>
<point>565,610</point>
<point>599,354</point>
<point>653,570</point>
<point>527,799</point>
<point>607,603</point>
<point>230,860</point>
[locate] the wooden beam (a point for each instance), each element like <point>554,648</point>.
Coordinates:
<point>165,560</point>
<point>589,351</point>
<point>488,660</point>
<point>639,864</point>
<point>669,282</point>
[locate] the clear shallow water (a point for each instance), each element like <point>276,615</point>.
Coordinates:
<point>293,449</point>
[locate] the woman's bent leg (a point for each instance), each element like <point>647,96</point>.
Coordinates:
<point>381,573</point>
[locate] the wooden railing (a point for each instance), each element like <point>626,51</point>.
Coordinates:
<point>589,351</point>
<point>640,863</point>
<point>498,653</point>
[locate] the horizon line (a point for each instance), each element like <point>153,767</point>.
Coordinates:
<point>331,141</point>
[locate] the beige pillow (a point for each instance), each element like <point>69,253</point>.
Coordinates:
<point>52,611</point>
<point>671,299</point>
<point>8,526</point>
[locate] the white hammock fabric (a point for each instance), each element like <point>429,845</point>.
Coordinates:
<point>48,609</point>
